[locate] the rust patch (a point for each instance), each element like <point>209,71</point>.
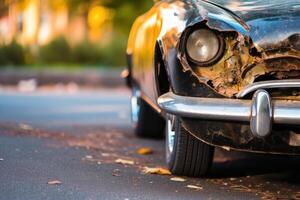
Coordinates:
<point>243,63</point>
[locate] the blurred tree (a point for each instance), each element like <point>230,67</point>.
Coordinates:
<point>57,51</point>
<point>3,7</point>
<point>79,6</point>
<point>127,10</point>
<point>12,54</point>
<point>119,16</point>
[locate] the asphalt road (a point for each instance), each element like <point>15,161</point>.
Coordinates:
<point>75,139</point>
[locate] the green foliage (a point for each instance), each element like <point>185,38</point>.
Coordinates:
<point>57,51</point>
<point>111,54</point>
<point>114,53</point>
<point>86,53</point>
<point>12,54</point>
<point>3,59</point>
<point>127,12</point>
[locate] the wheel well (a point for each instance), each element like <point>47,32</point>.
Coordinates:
<point>128,79</point>
<point>161,75</point>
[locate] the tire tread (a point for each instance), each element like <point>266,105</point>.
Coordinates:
<point>192,157</point>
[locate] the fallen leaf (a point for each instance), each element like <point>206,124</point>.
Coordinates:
<point>124,162</point>
<point>156,170</point>
<point>240,188</point>
<point>194,187</point>
<point>25,127</point>
<point>89,157</point>
<point>178,179</point>
<point>54,182</point>
<point>116,172</point>
<point>144,151</point>
<point>225,148</point>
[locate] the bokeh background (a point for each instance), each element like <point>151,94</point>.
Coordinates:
<point>66,33</point>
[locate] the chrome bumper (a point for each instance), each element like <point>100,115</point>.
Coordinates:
<point>261,112</point>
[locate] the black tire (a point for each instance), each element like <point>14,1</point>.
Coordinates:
<point>148,123</point>
<point>190,156</point>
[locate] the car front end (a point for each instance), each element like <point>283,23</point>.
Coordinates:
<point>236,79</point>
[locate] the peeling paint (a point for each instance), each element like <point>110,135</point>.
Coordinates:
<point>238,68</point>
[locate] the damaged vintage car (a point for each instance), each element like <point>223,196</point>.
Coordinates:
<point>218,73</point>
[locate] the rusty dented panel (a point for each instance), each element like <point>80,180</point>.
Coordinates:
<point>239,67</point>
<point>247,55</point>
<point>225,76</point>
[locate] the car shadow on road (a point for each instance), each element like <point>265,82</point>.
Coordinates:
<point>241,164</point>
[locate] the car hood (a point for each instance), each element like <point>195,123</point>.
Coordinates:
<point>270,22</point>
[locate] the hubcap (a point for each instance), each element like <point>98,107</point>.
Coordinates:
<point>170,137</point>
<point>135,106</point>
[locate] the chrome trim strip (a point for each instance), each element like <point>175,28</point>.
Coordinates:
<point>267,112</point>
<point>286,113</point>
<point>290,83</point>
<point>206,108</point>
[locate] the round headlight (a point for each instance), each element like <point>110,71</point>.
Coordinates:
<point>203,46</point>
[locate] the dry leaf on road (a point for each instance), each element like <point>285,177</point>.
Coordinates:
<point>156,170</point>
<point>194,187</point>
<point>144,151</point>
<point>116,172</point>
<point>178,179</point>
<point>25,127</point>
<point>89,157</point>
<point>240,188</point>
<point>124,162</point>
<point>54,182</point>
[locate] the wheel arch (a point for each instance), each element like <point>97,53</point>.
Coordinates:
<point>162,79</point>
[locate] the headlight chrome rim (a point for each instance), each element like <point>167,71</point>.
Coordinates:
<point>212,61</point>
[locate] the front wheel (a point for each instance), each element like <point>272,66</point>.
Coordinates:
<point>185,154</point>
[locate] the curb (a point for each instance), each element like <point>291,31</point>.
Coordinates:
<point>87,78</point>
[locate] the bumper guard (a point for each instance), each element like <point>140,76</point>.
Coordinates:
<point>261,112</point>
